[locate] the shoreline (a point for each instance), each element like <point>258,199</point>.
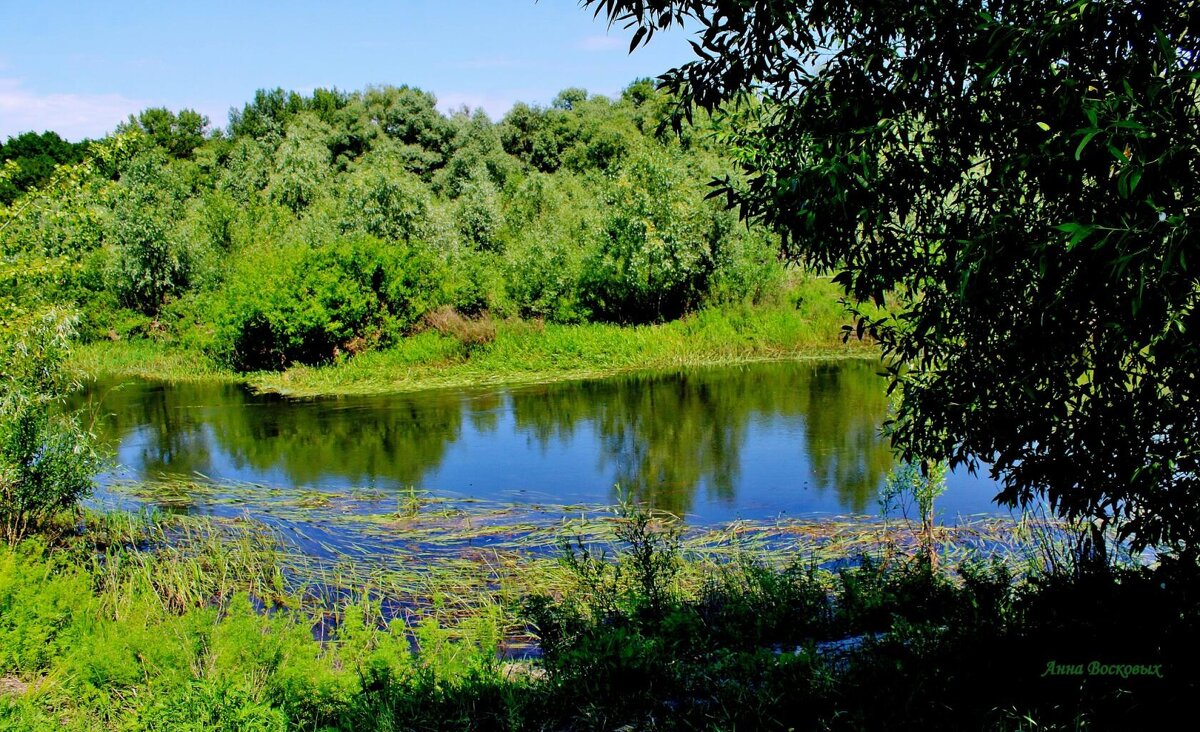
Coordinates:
<point>522,353</point>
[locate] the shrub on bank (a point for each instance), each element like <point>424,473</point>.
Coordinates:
<point>310,304</point>
<point>47,458</point>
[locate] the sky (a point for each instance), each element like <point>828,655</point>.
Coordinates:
<point>80,68</point>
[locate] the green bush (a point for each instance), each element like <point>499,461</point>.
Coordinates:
<point>302,163</point>
<point>384,201</point>
<point>47,459</point>
<point>542,278</point>
<point>151,260</point>
<point>310,304</point>
<point>657,245</point>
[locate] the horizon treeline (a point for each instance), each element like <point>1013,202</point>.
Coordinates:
<point>332,223</point>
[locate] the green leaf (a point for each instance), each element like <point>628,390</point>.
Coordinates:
<point>1083,143</point>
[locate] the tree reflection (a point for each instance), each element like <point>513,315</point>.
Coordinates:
<point>662,437</point>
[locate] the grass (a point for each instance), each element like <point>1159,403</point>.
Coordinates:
<point>630,618</point>
<point>808,325</point>
<point>145,359</point>
<point>176,622</point>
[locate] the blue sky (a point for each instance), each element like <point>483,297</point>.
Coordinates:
<point>79,68</point>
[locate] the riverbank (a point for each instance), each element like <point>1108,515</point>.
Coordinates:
<point>807,325</point>
<point>193,623</point>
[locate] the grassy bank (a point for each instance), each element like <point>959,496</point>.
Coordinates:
<point>807,325</point>
<point>184,623</point>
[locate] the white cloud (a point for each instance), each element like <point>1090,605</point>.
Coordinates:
<point>74,116</point>
<point>603,43</point>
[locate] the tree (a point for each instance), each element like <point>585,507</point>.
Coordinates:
<point>177,134</point>
<point>152,262</point>
<point>302,163</point>
<point>658,245</point>
<point>35,157</point>
<point>1015,181</point>
<point>47,459</point>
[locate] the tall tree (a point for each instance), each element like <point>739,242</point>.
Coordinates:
<point>1016,181</point>
<point>178,134</point>
<point>35,157</point>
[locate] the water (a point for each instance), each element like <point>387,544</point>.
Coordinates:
<point>756,442</point>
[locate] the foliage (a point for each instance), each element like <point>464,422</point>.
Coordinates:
<point>214,631</point>
<point>301,163</point>
<point>657,247</point>
<point>228,244</point>
<point>152,262</point>
<point>1016,179</point>
<point>386,202</point>
<point>34,158</point>
<point>178,134</point>
<point>310,303</point>
<point>47,460</point>
<point>878,644</point>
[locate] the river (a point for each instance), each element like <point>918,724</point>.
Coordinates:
<point>754,442</point>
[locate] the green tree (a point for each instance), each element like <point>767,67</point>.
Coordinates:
<point>267,117</point>
<point>478,152</point>
<point>403,122</point>
<point>657,246</point>
<point>302,163</point>
<point>177,134</point>
<point>47,458</point>
<point>384,200</point>
<point>151,260</point>
<point>1016,181</point>
<point>35,157</point>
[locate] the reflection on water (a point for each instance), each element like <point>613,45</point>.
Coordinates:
<point>751,442</point>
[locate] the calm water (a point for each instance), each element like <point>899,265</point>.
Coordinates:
<point>752,442</point>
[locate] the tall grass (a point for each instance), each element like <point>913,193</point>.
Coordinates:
<point>525,352</point>
<point>145,359</point>
<point>170,622</point>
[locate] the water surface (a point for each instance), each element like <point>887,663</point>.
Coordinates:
<point>792,439</point>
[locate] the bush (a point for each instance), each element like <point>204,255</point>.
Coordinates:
<point>471,332</point>
<point>385,201</point>
<point>47,459</point>
<point>308,305</point>
<point>657,246</point>
<point>151,260</point>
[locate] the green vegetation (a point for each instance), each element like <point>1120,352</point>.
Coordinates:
<point>29,161</point>
<point>47,460</point>
<point>369,231</point>
<point>1005,191</point>
<point>639,625</point>
<point>183,623</point>
<point>1016,180</point>
<point>449,350</point>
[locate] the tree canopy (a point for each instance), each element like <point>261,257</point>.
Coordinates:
<point>1015,180</point>
<point>317,226</point>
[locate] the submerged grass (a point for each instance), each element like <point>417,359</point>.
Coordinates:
<point>807,325</point>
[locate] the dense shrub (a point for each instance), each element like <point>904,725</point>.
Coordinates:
<point>657,246</point>
<point>302,163</point>
<point>309,304</point>
<point>47,461</point>
<point>151,260</point>
<point>582,210</point>
<point>384,201</point>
